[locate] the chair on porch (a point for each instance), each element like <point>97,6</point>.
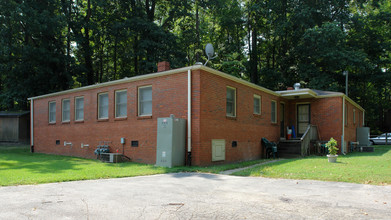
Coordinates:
<point>271,148</point>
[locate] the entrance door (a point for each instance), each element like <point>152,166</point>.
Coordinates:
<point>282,120</point>
<point>303,118</point>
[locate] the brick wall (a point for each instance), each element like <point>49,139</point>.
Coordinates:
<point>352,125</point>
<point>246,128</point>
<point>326,113</point>
<point>209,120</point>
<point>169,97</point>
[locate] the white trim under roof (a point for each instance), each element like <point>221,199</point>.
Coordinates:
<point>236,79</point>
<point>309,93</point>
<point>115,82</point>
<point>302,93</point>
<point>298,94</point>
<point>159,74</point>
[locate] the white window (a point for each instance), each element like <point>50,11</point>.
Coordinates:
<point>66,110</point>
<point>52,112</point>
<point>354,116</point>
<point>274,111</point>
<point>103,106</point>
<point>231,102</point>
<point>120,103</point>
<point>145,101</point>
<point>79,108</point>
<point>257,104</point>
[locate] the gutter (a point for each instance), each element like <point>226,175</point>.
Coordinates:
<point>189,117</point>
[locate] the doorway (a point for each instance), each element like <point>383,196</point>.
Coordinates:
<point>303,118</point>
<point>282,120</point>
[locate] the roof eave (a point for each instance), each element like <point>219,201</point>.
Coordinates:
<point>158,74</point>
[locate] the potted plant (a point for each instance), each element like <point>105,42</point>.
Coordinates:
<point>333,149</point>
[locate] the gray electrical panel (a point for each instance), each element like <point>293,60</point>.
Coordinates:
<point>363,136</point>
<point>171,139</point>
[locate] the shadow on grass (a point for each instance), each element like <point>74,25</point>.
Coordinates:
<point>383,152</point>
<point>36,163</point>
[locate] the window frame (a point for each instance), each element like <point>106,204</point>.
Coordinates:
<point>116,103</point>
<point>139,113</point>
<point>354,116</point>
<point>260,104</point>
<point>55,105</point>
<point>99,95</point>
<point>68,111</point>
<point>233,115</point>
<point>76,108</point>
<point>275,112</point>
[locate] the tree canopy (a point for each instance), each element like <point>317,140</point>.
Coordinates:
<point>53,45</point>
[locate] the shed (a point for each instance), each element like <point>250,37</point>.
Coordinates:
<point>15,126</point>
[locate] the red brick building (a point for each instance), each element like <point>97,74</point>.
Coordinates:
<point>228,116</point>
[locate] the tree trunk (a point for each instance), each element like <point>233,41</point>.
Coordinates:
<point>197,32</point>
<point>115,57</point>
<point>135,58</point>
<point>86,45</point>
<point>254,76</point>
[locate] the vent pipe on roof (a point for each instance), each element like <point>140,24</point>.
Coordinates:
<point>296,86</point>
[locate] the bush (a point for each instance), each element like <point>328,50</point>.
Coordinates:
<point>332,146</point>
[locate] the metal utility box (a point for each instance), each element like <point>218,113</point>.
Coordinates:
<point>111,157</point>
<point>171,139</point>
<point>363,136</point>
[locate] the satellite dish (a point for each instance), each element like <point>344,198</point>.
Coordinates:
<point>209,52</point>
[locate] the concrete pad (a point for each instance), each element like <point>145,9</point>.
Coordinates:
<point>195,196</point>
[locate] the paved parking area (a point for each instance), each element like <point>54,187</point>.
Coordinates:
<point>195,196</point>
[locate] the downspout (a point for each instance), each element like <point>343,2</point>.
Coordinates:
<point>32,126</point>
<point>363,119</point>
<point>343,126</point>
<point>189,117</point>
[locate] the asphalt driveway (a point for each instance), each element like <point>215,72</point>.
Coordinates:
<point>195,196</point>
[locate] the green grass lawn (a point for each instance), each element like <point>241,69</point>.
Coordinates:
<point>18,166</point>
<point>358,167</point>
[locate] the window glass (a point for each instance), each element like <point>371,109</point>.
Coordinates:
<point>103,105</point>
<point>145,100</point>
<point>79,108</point>
<point>66,110</point>
<point>231,102</point>
<point>120,103</point>
<point>257,104</point>
<point>274,112</point>
<point>52,112</point>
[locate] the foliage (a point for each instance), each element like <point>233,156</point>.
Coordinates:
<point>49,46</point>
<point>332,146</point>
<point>357,167</point>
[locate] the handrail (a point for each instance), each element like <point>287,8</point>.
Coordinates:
<point>306,132</point>
<point>311,133</point>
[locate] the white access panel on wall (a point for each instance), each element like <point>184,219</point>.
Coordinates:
<point>218,149</point>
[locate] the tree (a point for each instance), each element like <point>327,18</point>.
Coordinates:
<point>33,56</point>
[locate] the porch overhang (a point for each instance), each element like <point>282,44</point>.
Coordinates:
<point>298,94</point>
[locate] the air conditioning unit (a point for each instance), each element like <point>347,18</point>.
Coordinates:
<point>111,157</point>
